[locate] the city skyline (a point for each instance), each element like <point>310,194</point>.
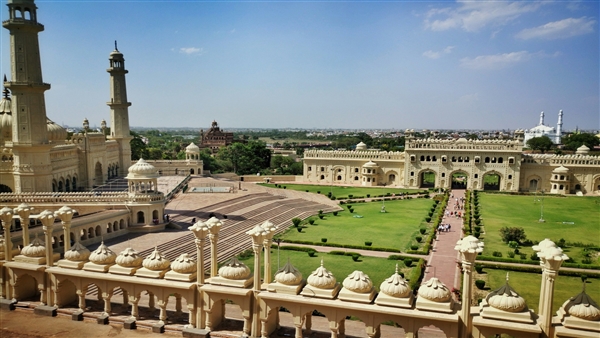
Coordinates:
<point>341,65</point>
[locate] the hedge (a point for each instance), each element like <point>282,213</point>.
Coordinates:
<point>348,246</point>
<point>481,259</point>
<point>535,270</point>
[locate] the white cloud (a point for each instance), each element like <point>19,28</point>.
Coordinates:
<point>474,15</point>
<point>191,50</point>
<point>436,55</point>
<point>561,29</point>
<point>496,61</point>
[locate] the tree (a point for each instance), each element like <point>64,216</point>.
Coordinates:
<point>512,234</point>
<point>542,143</point>
<point>138,147</point>
<point>250,158</point>
<point>574,141</point>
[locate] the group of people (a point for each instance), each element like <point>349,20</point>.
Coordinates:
<point>456,214</point>
<point>444,227</point>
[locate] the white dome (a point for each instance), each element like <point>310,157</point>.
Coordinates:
<point>142,169</point>
<point>192,148</point>
<point>561,170</point>
<point>358,282</point>
<point>583,306</point>
<point>322,278</point>
<point>506,299</point>
<point>235,270</point>
<point>288,275</point>
<point>370,164</point>
<point>156,261</point>
<point>583,150</point>
<point>35,249</point>
<point>435,290</point>
<point>395,286</point>
<point>129,258</point>
<point>361,146</point>
<point>77,253</point>
<point>184,264</point>
<point>103,255</point>
<point>56,133</point>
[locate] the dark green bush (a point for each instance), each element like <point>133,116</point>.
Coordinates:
<point>479,268</point>
<point>368,195</point>
<point>427,219</point>
<point>419,239</point>
<point>355,257</point>
<point>480,284</point>
<point>368,243</point>
<point>408,262</point>
<point>296,221</point>
<point>312,253</point>
<point>422,231</point>
<point>311,221</point>
<point>321,216</point>
<point>497,254</point>
<point>414,247</point>
<point>324,240</point>
<point>335,213</point>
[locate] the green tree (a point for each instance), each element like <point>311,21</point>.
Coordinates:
<point>512,234</point>
<point>574,141</point>
<point>250,158</point>
<point>542,143</point>
<point>138,147</point>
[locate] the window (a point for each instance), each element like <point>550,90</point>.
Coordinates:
<point>412,173</point>
<point>453,158</point>
<point>322,168</point>
<point>413,158</point>
<point>466,158</point>
<point>309,168</point>
<point>443,174</point>
<point>322,177</point>
<point>476,175</point>
<point>355,170</point>
<point>487,160</point>
<point>509,177</point>
<point>477,159</point>
<point>500,160</point>
<point>562,177</point>
<point>444,159</point>
<point>422,158</point>
<point>511,160</point>
<point>356,178</point>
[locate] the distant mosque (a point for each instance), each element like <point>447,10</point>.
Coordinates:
<point>542,129</point>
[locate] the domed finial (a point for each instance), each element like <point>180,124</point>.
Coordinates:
<point>507,278</point>
<point>396,267</point>
<point>321,262</point>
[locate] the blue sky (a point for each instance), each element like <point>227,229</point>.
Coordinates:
<point>335,64</point>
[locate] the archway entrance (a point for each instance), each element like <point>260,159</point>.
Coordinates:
<point>5,188</point>
<point>491,181</point>
<point>427,179</point>
<point>98,179</point>
<point>459,180</point>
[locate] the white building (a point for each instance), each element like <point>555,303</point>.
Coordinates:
<point>542,129</point>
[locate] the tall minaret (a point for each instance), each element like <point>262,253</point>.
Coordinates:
<point>541,119</point>
<point>32,166</point>
<point>119,113</point>
<point>558,138</point>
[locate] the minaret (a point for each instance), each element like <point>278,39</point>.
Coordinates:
<point>557,139</point>
<point>541,119</point>
<point>32,166</point>
<point>119,109</point>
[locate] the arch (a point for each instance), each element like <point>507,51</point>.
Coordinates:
<point>428,328</point>
<point>74,183</point>
<point>98,175</point>
<point>98,231</point>
<point>108,228</point>
<point>534,183</point>
<point>5,188</point>
<point>192,171</point>
<point>492,181</point>
<point>66,293</point>
<point>122,224</point>
<point>115,226</point>
<point>140,217</point>
<point>459,179</point>
<point>68,185</point>
<point>427,178</point>
<point>54,186</point>
<point>82,234</point>
<point>91,233</point>
<point>596,184</point>
<point>26,287</point>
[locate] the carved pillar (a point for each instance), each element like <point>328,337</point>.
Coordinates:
<point>6,215</point>
<point>66,215</point>
<point>151,305</point>
<point>135,311</point>
<point>178,305</point>
<point>192,315</point>
<point>214,225</point>
<point>543,245</point>
<point>468,247</point>
<point>298,322</point>
<point>333,326</point>
<point>342,327</point>
<point>308,323</point>
<point>258,236</point>
<point>270,229</point>
<point>264,332</point>
<point>107,308</point>
<point>125,297</point>
<point>47,219</point>
<point>24,210</point>
<point>81,297</point>
<point>162,317</point>
<point>552,257</point>
<point>200,231</point>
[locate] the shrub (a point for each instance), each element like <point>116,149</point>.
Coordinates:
<point>311,221</point>
<point>511,254</point>
<point>414,247</point>
<point>422,231</point>
<point>355,257</point>
<point>321,216</point>
<point>320,212</point>
<point>516,250</point>
<point>477,234</point>
<point>586,260</point>
<point>324,240</point>
<point>430,214</point>
<point>408,262</point>
<point>351,211</point>
<point>480,284</point>
<point>311,253</point>
<point>368,195</point>
<point>299,229</point>
<point>284,187</point>
<point>349,206</point>
<point>427,219</point>
<point>479,268</point>
<point>534,257</point>
<point>478,228</point>
<point>335,213</point>
<point>497,254</point>
<point>306,190</point>
<point>350,196</point>
<point>332,198</point>
<point>513,244</point>
<point>523,256</point>
<point>512,234</point>
<point>419,239</point>
<point>296,221</point>
<point>368,243</point>
<point>477,221</point>
<point>318,191</point>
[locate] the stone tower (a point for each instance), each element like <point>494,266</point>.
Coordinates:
<point>119,109</point>
<point>32,166</point>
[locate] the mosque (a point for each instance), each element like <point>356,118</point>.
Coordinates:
<point>543,130</point>
<point>41,168</point>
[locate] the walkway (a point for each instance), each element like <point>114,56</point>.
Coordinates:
<point>442,259</point>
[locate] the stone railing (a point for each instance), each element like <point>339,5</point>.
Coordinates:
<point>79,197</point>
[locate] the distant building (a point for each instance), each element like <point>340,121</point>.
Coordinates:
<point>215,138</point>
<point>542,129</point>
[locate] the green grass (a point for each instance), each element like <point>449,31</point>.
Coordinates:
<point>341,191</point>
<point>394,229</point>
<point>498,211</point>
<point>527,285</point>
<point>378,269</point>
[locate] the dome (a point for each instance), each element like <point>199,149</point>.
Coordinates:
<point>192,148</point>
<point>461,140</point>
<point>358,282</point>
<point>561,170</point>
<point>129,258</point>
<point>56,133</point>
<point>370,164</point>
<point>143,169</point>
<point>583,306</point>
<point>322,278</point>
<point>35,249</point>
<point>435,290</point>
<point>583,150</point>
<point>103,255</point>
<point>506,299</point>
<point>361,146</point>
<point>234,270</point>
<point>395,286</point>
<point>288,275</point>
<point>156,261</point>
<point>77,253</point>
<point>184,264</point>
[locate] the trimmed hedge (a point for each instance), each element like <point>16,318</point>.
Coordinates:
<point>348,246</point>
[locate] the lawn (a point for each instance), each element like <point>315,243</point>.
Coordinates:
<point>378,269</point>
<point>574,219</point>
<point>394,229</point>
<point>342,192</point>
<point>527,285</point>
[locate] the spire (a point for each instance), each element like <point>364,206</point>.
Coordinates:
<point>117,49</point>
<point>558,137</point>
<point>541,118</point>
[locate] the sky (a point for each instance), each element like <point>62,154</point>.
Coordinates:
<point>323,64</point>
